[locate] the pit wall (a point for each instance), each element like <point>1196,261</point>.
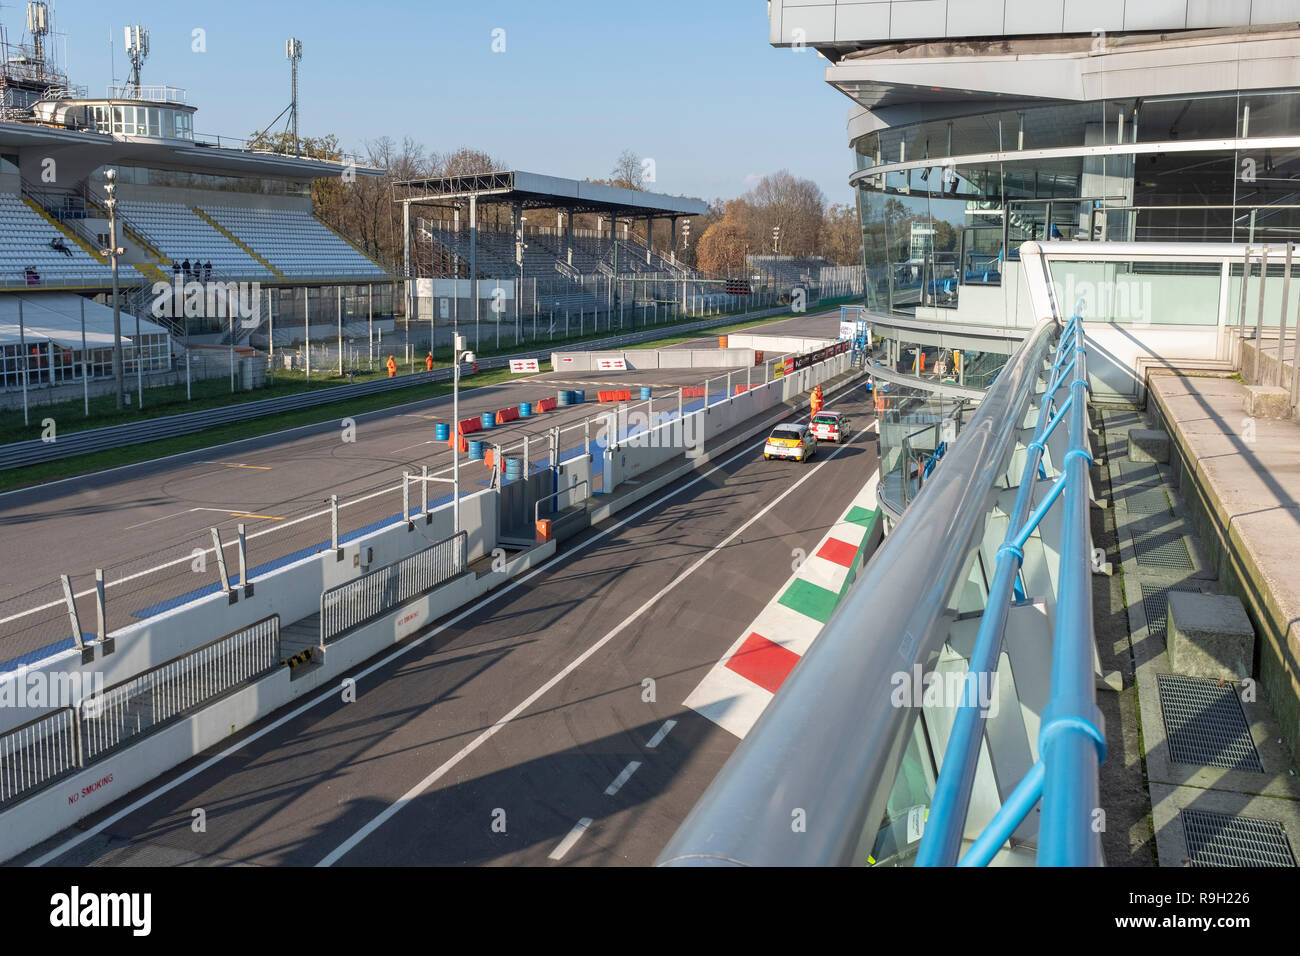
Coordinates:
<point>293,592</point>
<point>51,811</point>
<point>642,359</point>
<point>691,437</point>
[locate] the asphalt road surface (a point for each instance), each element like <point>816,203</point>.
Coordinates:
<point>142,523</point>
<point>544,727</point>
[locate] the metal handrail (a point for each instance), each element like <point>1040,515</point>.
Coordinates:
<point>537,506</point>
<point>830,742</point>
<point>943,835</point>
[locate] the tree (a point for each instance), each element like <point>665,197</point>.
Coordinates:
<point>796,206</point>
<point>723,247</point>
<point>842,236</point>
<point>628,171</point>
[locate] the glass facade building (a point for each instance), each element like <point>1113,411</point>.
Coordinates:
<point>1195,168</point>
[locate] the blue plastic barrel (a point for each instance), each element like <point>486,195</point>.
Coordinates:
<point>514,467</point>
<point>578,397</point>
<point>645,392</point>
<point>565,398</point>
<point>488,419</point>
<point>442,431</point>
<point>525,409</point>
<point>476,450</point>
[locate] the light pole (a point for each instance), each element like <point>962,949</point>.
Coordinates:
<point>112,252</point>
<point>776,239</point>
<point>459,354</point>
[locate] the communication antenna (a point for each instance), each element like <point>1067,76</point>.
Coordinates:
<point>38,25</point>
<point>293,53</point>
<point>137,51</point>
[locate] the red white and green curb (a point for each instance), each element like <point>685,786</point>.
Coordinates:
<point>738,688</point>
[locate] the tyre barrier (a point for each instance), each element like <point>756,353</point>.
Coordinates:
<point>565,399</point>
<point>513,467</point>
<point>577,397</point>
<point>488,420</point>
<point>441,431</point>
<point>525,409</point>
<point>476,449</point>
<point>645,392</point>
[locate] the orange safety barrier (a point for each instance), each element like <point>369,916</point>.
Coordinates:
<point>464,445</point>
<point>487,457</point>
<point>722,341</point>
<point>508,415</point>
<point>467,425</point>
<point>547,405</point>
<point>543,530</point>
<point>742,389</point>
<point>617,395</point>
<point>693,391</point>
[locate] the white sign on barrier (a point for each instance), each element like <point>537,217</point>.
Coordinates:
<point>847,330</point>
<point>524,365</point>
<point>611,365</point>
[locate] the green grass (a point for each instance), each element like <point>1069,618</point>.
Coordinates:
<point>146,451</point>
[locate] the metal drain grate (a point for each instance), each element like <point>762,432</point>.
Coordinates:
<point>1140,472</point>
<point>1148,502</point>
<point>1162,549</point>
<point>1155,602</point>
<point>1205,725</point>
<point>1216,839</point>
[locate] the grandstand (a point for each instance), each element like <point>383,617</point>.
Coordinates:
<point>235,213</point>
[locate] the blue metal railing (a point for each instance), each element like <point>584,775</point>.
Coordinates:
<point>1071,741</point>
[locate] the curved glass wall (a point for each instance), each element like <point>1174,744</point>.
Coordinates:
<point>945,215</point>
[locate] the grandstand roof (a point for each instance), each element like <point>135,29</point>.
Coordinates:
<point>535,191</point>
<point>57,318</point>
<point>190,155</point>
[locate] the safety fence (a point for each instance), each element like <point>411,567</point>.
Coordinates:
<point>1071,742</point>
<point>869,783</point>
<point>67,740</point>
<point>349,606</point>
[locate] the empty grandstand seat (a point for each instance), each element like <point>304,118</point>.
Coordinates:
<point>25,238</point>
<point>295,242</point>
<point>180,234</point>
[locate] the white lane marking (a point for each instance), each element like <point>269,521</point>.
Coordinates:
<point>660,734</point>
<point>394,808</point>
<point>622,778</point>
<point>574,836</point>
<point>331,694</point>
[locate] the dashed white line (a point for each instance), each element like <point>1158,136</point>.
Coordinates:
<point>574,836</point>
<point>660,734</point>
<point>622,778</point>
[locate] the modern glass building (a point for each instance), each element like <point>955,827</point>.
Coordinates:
<point>979,125</point>
<point>986,123</point>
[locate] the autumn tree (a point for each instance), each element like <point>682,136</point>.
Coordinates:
<point>723,247</point>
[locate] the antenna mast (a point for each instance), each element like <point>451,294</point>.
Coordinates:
<point>38,25</point>
<point>293,53</point>
<point>137,51</point>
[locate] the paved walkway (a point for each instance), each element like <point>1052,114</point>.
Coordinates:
<point>1223,518</point>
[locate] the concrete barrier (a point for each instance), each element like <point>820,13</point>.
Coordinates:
<point>50,811</point>
<point>292,591</point>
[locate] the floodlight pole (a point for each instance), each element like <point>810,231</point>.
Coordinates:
<point>110,203</point>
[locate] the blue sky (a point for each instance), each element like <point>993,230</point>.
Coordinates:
<point>693,84</point>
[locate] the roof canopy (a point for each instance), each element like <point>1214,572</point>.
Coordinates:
<point>56,318</point>
<point>535,191</point>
